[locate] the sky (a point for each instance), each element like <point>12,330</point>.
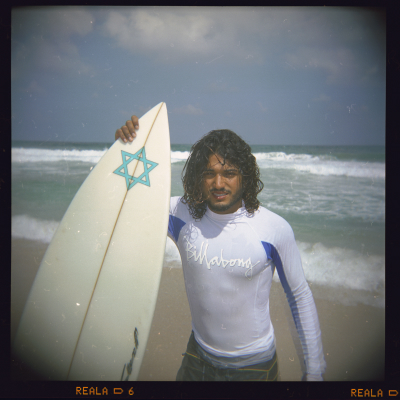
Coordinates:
<point>274,75</point>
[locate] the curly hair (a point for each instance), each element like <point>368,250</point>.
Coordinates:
<point>232,149</point>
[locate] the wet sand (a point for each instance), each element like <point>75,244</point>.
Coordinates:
<point>353,336</point>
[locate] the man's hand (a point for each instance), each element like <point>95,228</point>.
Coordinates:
<point>128,131</point>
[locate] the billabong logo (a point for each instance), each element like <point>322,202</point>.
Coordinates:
<point>131,180</point>
<point>201,255</point>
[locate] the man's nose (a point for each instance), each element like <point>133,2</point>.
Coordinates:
<point>218,181</point>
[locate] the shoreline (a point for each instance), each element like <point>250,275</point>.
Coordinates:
<point>353,336</point>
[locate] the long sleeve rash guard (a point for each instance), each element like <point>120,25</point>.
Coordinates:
<point>228,262</point>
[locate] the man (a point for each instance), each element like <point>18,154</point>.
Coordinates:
<point>230,247</point>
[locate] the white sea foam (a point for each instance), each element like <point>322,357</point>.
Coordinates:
<point>25,227</point>
<point>321,165</point>
<point>365,203</point>
<point>335,268</point>
<point>172,256</point>
<point>177,156</point>
<point>22,155</point>
<point>344,269</point>
<point>318,165</point>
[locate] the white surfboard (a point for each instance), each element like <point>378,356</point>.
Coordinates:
<point>89,312</point>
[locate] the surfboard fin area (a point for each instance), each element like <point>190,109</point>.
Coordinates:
<point>95,291</point>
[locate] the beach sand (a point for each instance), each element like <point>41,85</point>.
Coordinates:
<point>353,336</point>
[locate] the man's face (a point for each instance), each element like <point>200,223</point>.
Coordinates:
<point>222,186</point>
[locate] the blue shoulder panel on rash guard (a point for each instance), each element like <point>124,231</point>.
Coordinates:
<point>272,254</point>
<point>175,225</point>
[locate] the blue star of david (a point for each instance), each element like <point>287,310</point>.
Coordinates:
<point>130,179</point>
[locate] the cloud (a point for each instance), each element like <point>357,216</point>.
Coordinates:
<point>66,21</point>
<point>221,87</point>
<point>373,74</point>
<point>34,87</point>
<point>147,30</point>
<point>339,64</point>
<point>262,108</point>
<point>330,41</point>
<point>327,40</point>
<point>174,34</point>
<point>188,110</point>
<point>45,38</point>
<point>322,97</point>
<point>340,42</point>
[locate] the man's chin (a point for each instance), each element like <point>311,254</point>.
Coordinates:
<point>219,207</point>
<point>233,201</point>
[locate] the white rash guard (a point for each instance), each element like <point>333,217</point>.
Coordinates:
<point>228,261</point>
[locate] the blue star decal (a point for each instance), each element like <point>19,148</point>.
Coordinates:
<point>130,179</point>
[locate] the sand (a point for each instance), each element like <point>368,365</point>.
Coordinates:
<point>353,336</point>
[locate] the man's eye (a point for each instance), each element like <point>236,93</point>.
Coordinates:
<point>208,174</point>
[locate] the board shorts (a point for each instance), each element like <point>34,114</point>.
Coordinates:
<point>195,368</point>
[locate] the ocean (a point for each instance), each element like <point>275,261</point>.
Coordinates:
<point>333,197</point>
